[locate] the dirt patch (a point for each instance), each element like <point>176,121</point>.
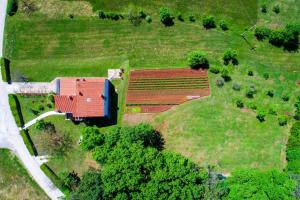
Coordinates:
<point>245,110</point>
<point>136,118</point>
<point>298,83</point>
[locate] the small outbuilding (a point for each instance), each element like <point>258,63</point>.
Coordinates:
<point>82,98</point>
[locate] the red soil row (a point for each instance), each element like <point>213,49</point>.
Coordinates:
<point>157,90</point>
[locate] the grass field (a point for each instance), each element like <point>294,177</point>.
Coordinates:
<point>210,131</point>
<point>15,183</point>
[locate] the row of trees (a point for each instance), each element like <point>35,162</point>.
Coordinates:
<point>135,167</point>
<point>288,37</point>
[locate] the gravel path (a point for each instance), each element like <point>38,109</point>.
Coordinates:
<point>9,133</point>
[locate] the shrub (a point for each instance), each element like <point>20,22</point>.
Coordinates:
<point>252,106</point>
<point>276,9</point>
<point>192,18</point>
<point>297,115</point>
<point>239,103</point>
<point>16,109</point>
<point>270,93</point>
<point>179,17</point>
<point>41,108</point>
<point>70,180</point>
<point>214,69</point>
<point>71,16</point>
<point>276,37</point>
<point>5,70</point>
<point>220,82</point>
<point>225,74</point>
<point>134,18</point>
<point>209,22</point>
<point>285,97</point>
<point>197,60</point>
<point>230,56</point>
<point>263,8</point>
<point>165,16</point>
<point>91,137</point>
<point>223,25</point>
<point>12,7</point>
<point>266,76</point>
<point>262,33</point>
<point>101,14</point>
<point>282,120</point>
<point>261,114</point>
<point>142,14</point>
<point>236,87</point>
<point>40,125</point>
<point>291,37</point>
<point>113,16</point>
<point>250,73</point>
<point>273,110</point>
<point>251,91</point>
<point>148,19</point>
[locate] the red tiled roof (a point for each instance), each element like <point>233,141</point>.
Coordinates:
<point>81,96</point>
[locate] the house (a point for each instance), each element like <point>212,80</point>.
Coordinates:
<point>82,98</point>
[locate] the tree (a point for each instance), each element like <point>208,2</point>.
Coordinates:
<point>261,114</point>
<point>91,137</point>
<point>254,184</point>
<point>291,37</point>
<point>90,187</point>
<point>230,56</point>
<point>276,9</point>
<point>262,33</point>
<point>165,16</point>
<point>71,180</point>
<point>223,25</point>
<point>209,22</point>
<point>263,8</point>
<point>197,60</point>
<point>277,37</point>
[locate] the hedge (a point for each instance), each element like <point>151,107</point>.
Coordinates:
<point>5,70</point>
<point>12,7</point>
<point>16,109</point>
<point>54,178</point>
<point>28,142</point>
<point>293,150</point>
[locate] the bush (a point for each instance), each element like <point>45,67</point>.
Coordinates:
<point>225,74</point>
<point>266,76</point>
<point>12,7</point>
<point>285,97</point>
<point>282,120</point>
<point>192,18</point>
<point>251,91</point>
<point>101,14</point>
<point>179,17</point>
<point>230,56</point>
<point>197,60</point>
<point>291,37</point>
<point>236,87</point>
<point>209,22</point>
<point>252,106</point>
<point>250,73</point>
<point>40,125</point>
<point>142,14</point>
<point>113,16</point>
<point>134,18</point>
<point>214,70</point>
<point>261,114</point>
<point>223,25</point>
<point>239,103</point>
<point>28,143</point>
<point>276,9</point>
<point>270,93</point>
<point>220,82</point>
<point>41,108</point>
<point>70,180</point>
<point>262,33</point>
<point>165,16</point>
<point>263,8</point>
<point>273,110</point>
<point>276,38</point>
<point>148,19</point>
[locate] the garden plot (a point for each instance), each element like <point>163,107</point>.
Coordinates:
<point>157,90</point>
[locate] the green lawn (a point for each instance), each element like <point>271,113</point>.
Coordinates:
<point>213,131</point>
<point>15,182</point>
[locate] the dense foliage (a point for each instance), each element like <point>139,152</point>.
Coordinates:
<point>197,60</point>
<point>135,168</point>
<point>209,22</point>
<point>230,56</point>
<point>91,138</point>
<point>254,184</point>
<point>262,33</point>
<point>165,16</point>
